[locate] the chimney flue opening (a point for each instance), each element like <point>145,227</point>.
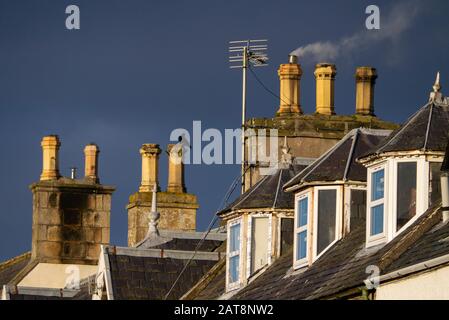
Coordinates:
<point>73,173</point>
<point>292,58</point>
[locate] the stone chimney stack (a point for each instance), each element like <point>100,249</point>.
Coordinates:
<point>150,157</point>
<point>50,167</point>
<point>71,218</point>
<point>365,81</point>
<point>325,77</point>
<point>175,170</point>
<point>290,76</point>
<point>91,152</point>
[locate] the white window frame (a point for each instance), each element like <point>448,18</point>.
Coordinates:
<point>390,167</point>
<point>304,261</point>
<point>250,239</point>
<point>236,284</point>
<point>373,240</point>
<point>338,218</point>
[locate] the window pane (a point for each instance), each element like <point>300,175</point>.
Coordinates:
<point>234,269</point>
<point>287,234</point>
<point>326,218</point>
<point>302,212</point>
<point>406,193</point>
<point>377,185</point>
<point>259,243</point>
<point>434,182</point>
<point>301,245</point>
<point>358,206</point>
<point>377,219</point>
<point>235,238</point>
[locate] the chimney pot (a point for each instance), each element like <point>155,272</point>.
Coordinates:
<point>175,169</point>
<point>292,58</point>
<point>91,152</point>
<point>289,77</point>
<point>325,77</point>
<point>50,165</point>
<point>365,82</point>
<point>150,158</point>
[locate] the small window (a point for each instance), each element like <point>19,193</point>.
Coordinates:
<point>434,182</point>
<point>406,193</point>
<point>376,210</point>
<point>234,253</point>
<point>327,214</point>
<point>287,234</point>
<point>302,211</point>
<point>358,206</point>
<point>259,243</point>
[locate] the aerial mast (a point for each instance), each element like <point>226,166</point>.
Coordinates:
<point>245,54</point>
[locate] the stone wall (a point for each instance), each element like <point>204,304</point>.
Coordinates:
<point>70,221</point>
<point>177,210</point>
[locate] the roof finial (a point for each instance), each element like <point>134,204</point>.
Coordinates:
<point>286,157</point>
<point>436,86</point>
<point>154,215</point>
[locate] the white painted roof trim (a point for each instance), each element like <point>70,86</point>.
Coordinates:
<point>415,268</point>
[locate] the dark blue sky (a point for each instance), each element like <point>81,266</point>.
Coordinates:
<point>139,69</point>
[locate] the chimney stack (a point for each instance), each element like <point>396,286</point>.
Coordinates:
<point>91,152</point>
<point>365,81</point>
<point>290,76</point>
<point>325,76</point>
<point>150,157</point>
<point>175,169</point>
<point>50,167</point>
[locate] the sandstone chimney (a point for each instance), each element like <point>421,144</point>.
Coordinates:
<point>290,76</point>
<point>365,81</point>
<point>325,76</point>
<point>91,152</point>
<point>71,219</point>
<point>50,147</point>
<point>150,156</point>
<point>175,170</point>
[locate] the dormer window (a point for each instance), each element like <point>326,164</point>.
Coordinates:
<point>399,191</point>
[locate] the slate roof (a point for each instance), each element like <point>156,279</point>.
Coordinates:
<point>343,267</point>
<point>145,276</point>
<point>10,268</point>
<point>426,130</point>
<point>149,270</point>
<point>267,193</point>
<point>339,163</point>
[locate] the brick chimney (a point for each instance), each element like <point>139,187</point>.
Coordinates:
<point>91,152</point>
<point>290,76</point>
<point>150,157</point>
<point>325,77</point>
<point>50,167</point>
<point>71,218</point>
<point>175,170</point>
<point>365,78</point>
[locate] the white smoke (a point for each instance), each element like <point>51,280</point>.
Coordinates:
<point>392,25</point>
